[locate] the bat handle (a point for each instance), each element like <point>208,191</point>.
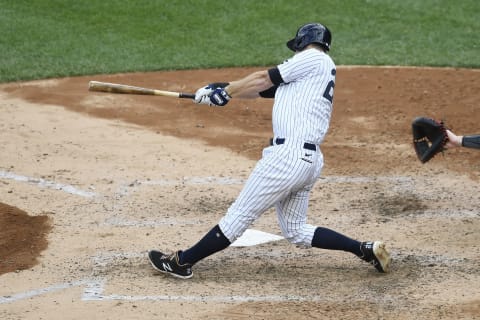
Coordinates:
<point>186,95</point>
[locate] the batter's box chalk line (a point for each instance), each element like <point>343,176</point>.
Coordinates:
<point>195,181</point>
<point>95,288</point>
<point>238,181</point>
<point>209,180</point>
<point>125,188</point>
<point>41,291</point>
<point>42,183</point>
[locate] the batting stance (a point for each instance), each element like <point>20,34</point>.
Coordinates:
<point>302,88</point>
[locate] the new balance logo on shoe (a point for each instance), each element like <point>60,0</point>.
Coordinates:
<point>170,264</point>
<point>167,267</point>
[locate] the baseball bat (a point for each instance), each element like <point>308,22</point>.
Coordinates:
<point>123,88</point>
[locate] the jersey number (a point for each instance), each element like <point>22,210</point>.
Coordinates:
<point>328,94</point>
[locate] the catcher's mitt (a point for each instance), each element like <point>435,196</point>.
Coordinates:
<point>429,137</point>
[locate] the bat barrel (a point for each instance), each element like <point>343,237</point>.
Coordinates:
<point>127,89</point>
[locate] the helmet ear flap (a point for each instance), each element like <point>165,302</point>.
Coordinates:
<point>299,43</point>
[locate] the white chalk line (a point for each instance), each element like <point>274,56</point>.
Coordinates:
<point>236,181</point>
<point>232,298</point>
<point>42,183</point>
<point>366,179</point>
<point>94,292</point>
<point>95,286</point>
<point>118,222</point>
<point>94,289</point>
<point>401,182</point>
<point>194,181</point>
<point>38,292</point>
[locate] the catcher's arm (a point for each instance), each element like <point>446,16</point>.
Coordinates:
<point>453,140</point>
<point>470,141</point>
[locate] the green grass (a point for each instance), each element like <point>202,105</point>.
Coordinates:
<point>56,38</point>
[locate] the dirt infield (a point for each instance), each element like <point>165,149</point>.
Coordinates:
<point>90,181</point>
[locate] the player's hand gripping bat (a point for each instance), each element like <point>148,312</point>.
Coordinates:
<point>123,88</point>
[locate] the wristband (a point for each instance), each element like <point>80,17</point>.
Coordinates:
<point>472,141</point>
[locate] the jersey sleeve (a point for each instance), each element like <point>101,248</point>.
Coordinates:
<point>299,65</point>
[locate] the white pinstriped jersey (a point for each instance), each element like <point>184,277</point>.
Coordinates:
<point>285,175</point>
<point>303,104</point>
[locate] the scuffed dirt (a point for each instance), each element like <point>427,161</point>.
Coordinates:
<point>102,178</point>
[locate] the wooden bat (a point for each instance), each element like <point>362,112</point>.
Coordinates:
<point>123,88</point>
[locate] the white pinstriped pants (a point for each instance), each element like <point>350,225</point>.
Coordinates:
<point>283,178</point>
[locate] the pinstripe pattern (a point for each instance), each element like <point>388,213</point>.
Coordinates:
<point>300,111</point>
<point>285,175</point>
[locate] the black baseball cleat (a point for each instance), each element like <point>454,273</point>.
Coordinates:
<point>374,252</point>
<point>169,264</point>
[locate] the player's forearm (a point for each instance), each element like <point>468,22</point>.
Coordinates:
<point>472,141</point>
<point>250,86</point>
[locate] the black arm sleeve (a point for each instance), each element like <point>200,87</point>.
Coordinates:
<point>275,76</point>
<point>269,93</point>
<point>471,141</point>
<point>276,79</point>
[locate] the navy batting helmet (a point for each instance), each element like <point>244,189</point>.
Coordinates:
<point>311,33</point>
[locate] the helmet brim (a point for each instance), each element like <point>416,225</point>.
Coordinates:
<point>290,44</point>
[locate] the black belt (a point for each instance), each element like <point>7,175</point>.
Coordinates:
<point>306,145</point>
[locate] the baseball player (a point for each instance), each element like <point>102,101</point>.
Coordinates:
<point>302,88</point>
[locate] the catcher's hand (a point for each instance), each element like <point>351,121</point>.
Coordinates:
<point>429,137</point>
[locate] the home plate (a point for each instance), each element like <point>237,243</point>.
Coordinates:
<point>253,237</point>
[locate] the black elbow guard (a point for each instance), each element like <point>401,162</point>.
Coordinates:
<point>275,76</point>
<point>269,93</point>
